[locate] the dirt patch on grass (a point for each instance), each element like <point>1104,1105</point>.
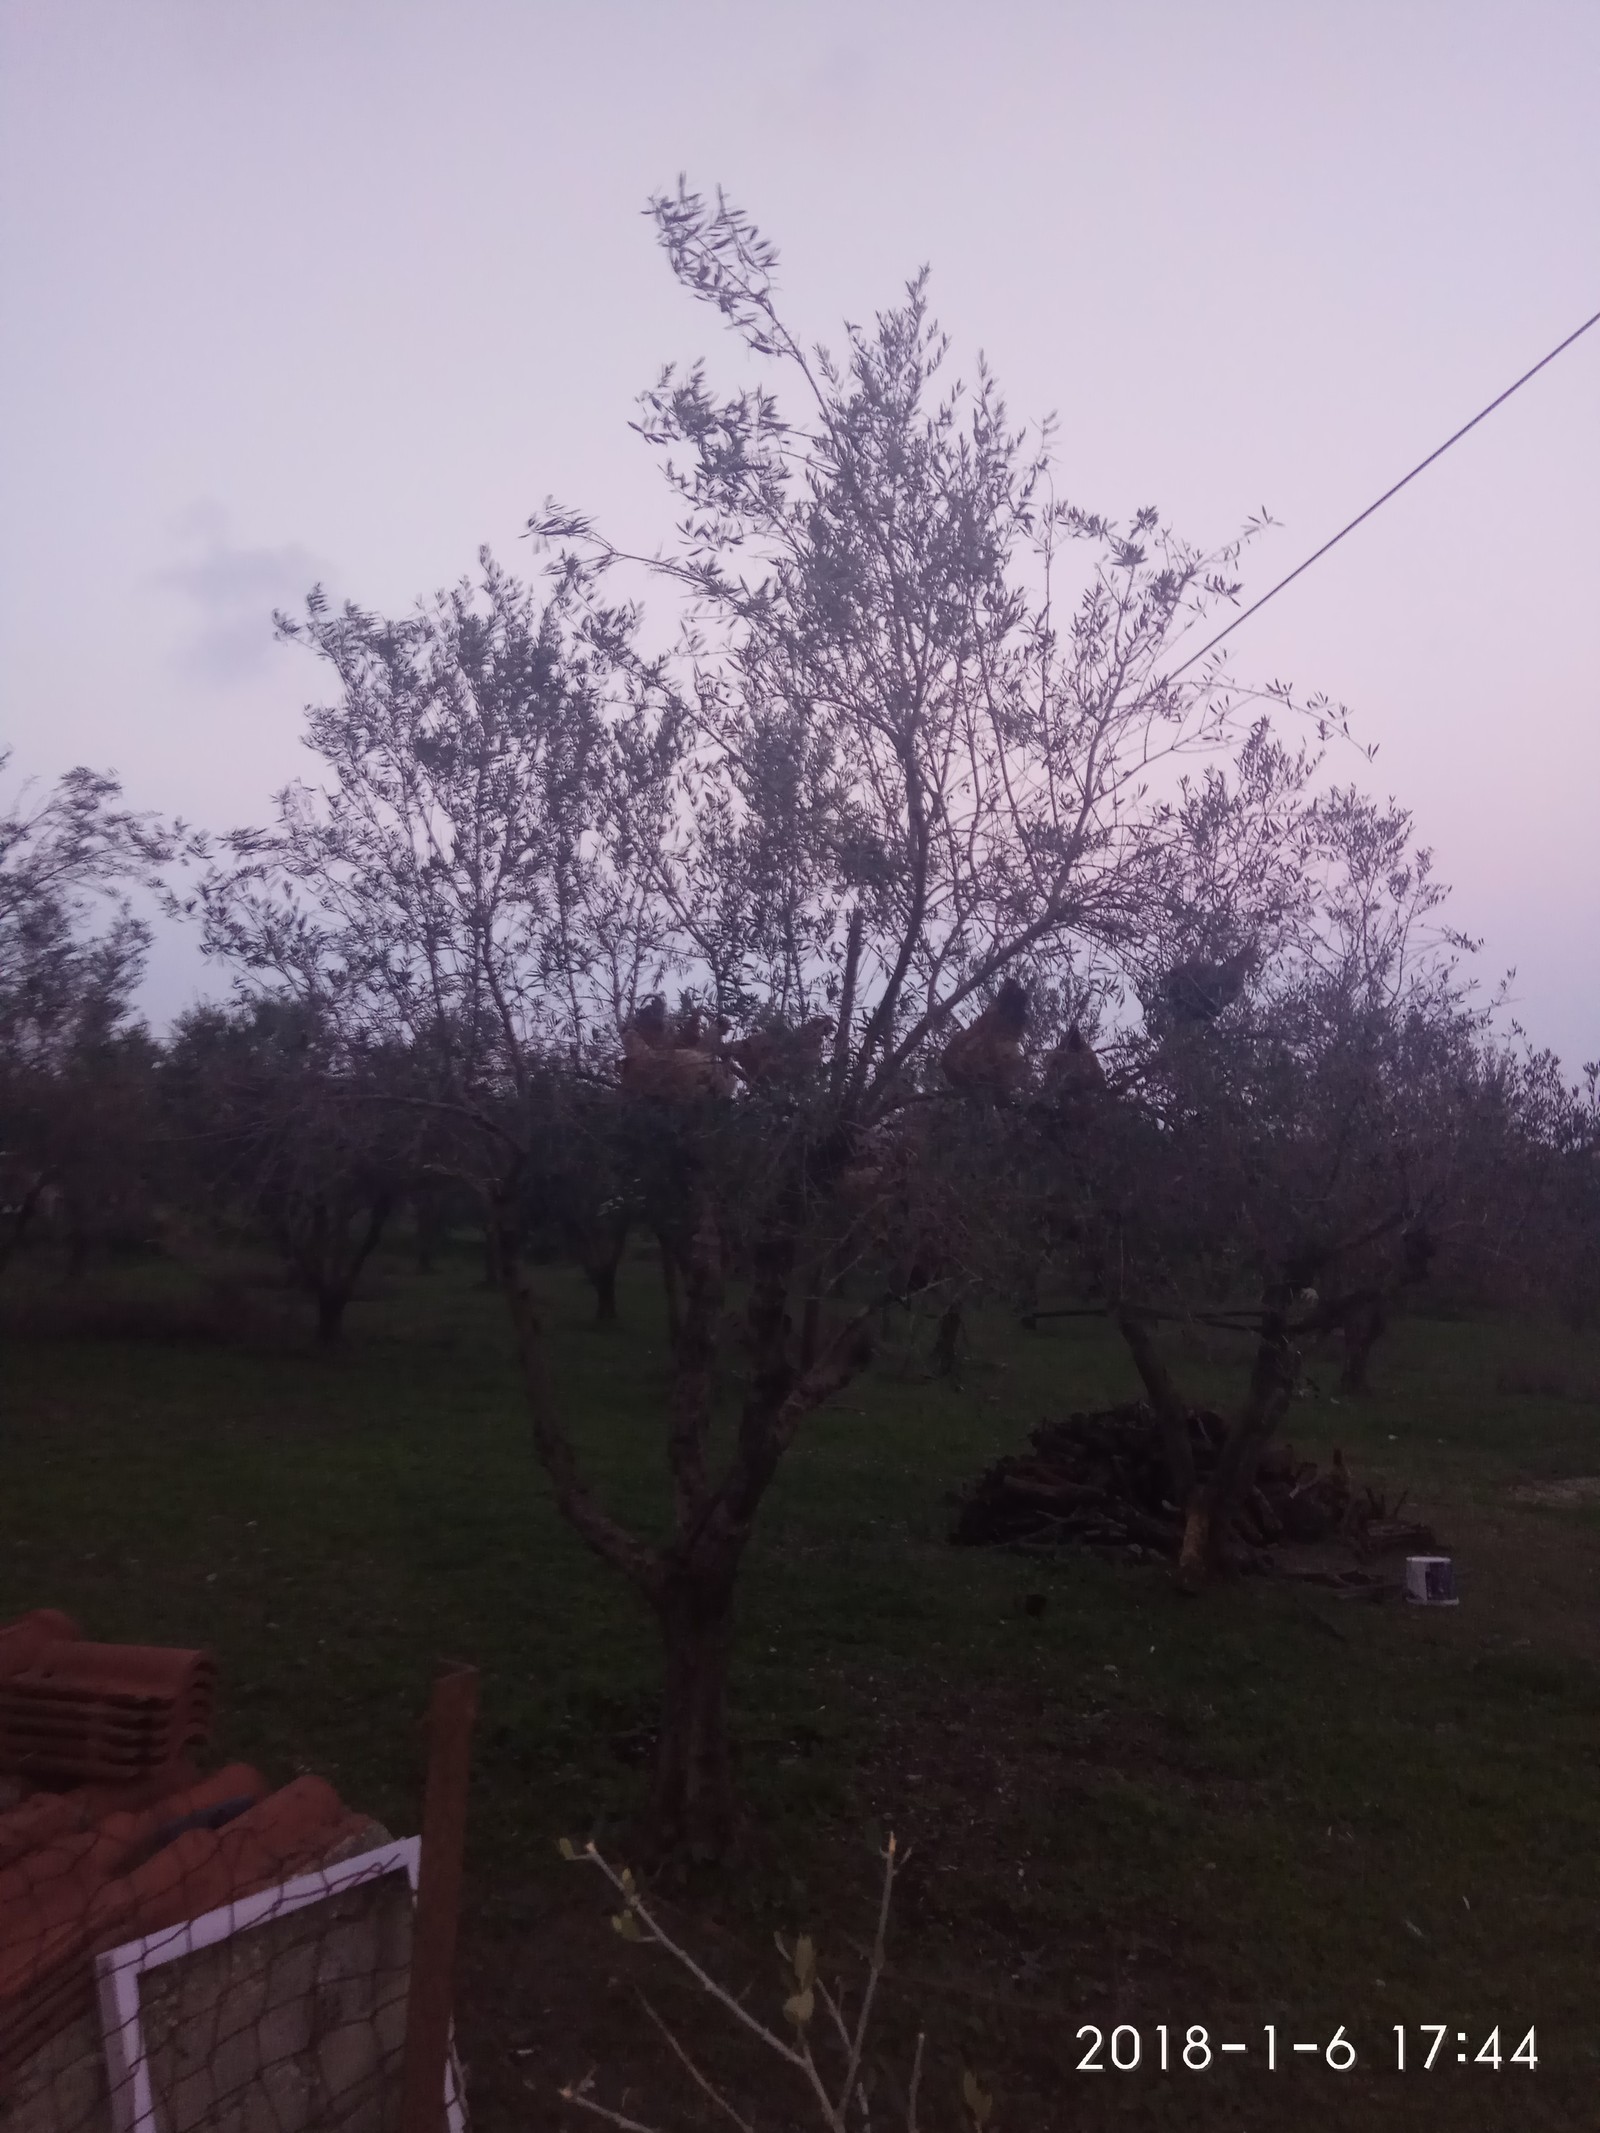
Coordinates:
<point>1564,1495</point>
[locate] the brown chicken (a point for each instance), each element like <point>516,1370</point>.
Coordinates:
<point>1072,1070</point>
<point>985,1058</point>
<point>674,1066</point>
<point>774,1054</point>
<point>1198,991</point>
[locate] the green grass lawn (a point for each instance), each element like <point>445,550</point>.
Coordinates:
<point>1259,1807</point>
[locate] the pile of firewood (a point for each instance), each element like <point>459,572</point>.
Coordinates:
<point>1101,1480</point>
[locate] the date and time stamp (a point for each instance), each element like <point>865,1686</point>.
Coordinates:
<point>1419,2047</point>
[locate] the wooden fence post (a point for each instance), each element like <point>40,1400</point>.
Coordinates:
<point>451,1711</point>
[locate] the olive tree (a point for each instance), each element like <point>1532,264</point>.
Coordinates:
<point>912,748</point>
<point>926,748</point>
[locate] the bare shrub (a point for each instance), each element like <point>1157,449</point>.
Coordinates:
<point>824,2045</point>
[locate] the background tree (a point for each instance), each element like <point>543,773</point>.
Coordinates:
<point>1290,1160</point>
<point>295,1134</point>
<point>441,893</point>
<point>73,1059</point>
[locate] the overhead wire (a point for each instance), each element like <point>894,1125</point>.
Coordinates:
<point>1421,467</point>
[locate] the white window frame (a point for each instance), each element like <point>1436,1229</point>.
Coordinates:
<point>118,1971</point>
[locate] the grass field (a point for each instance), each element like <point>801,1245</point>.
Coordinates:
<point>1261,1807</point>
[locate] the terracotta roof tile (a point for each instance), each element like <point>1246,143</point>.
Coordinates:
<point>144,1846</point>
<point>41,1816</point>
<point>22,1640</point>
<point>75,1710</point>
<point>46,1970</point>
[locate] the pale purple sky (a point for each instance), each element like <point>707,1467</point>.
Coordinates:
<point>343,289</point>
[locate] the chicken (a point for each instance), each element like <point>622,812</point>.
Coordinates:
<point>777,1053</point>
<point>985,1058</point>
<point>674,1066</point>
<point>1198,991</point>
<point>1073,1074</point>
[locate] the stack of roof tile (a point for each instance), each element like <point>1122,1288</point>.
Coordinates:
<point>82,1713</point>
<point>140,1843</point>
<point>82,1885</point>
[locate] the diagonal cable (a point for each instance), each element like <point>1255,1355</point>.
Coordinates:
<point>1421,465</point>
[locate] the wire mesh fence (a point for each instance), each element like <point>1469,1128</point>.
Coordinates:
<point>179,1951</point>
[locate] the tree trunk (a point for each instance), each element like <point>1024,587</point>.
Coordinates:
<point>1199,1541</point>
<point>810,1330</point>
<point>1212,1507</point>
<point>330,1315</point>
<point>603,1279</point>
<point>21,1215</point>
<point>693,1803</point>
<point>1364,1323</point>
<point>690,1585</point>
<point>1170,1411</point>
<point>947,1346</point>
<point>429,1228</point>
<point>669,1281</point>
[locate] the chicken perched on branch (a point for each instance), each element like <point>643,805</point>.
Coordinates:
<point>674,1066</point>
<point>985,1058</point>
<point>649,1024</point>
<point>691,1034</point>
<point>875,1173</point>
<point>778,1053</point>
<point>1073,1075</point>
<point>1198,991</point>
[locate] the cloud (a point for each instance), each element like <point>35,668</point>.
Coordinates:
<point>233,591</point>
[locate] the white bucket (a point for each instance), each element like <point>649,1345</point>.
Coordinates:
<point>1431,1581</point>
